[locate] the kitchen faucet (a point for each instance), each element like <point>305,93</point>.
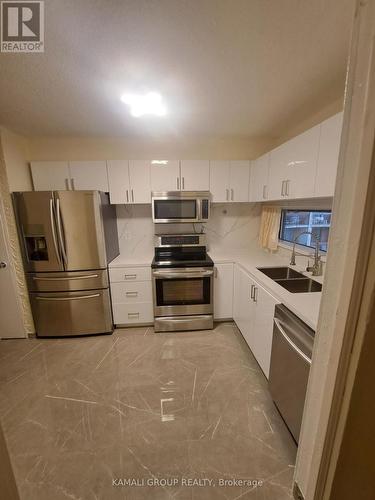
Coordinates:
<point>317,268</point>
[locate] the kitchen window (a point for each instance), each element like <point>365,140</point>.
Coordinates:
<point>294,222</point>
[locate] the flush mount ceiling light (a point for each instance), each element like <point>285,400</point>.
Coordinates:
<point>147,104</point>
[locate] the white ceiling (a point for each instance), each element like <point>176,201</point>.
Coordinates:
<point>224,67</point>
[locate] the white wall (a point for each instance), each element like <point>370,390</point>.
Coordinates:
<point>16,154</point>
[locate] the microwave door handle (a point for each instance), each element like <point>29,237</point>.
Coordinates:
<point>60,232</point>
<point>54,238</point>
<point>292,344</point>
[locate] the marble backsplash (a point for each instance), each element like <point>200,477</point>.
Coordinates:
<point>232,225</point>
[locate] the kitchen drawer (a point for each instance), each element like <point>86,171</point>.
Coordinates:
<point>139,312</point>
<point>129,293</point>
<point>118,274</point>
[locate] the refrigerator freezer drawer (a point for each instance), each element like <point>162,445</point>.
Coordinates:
<point>72,313</point>
<point>67,281</point>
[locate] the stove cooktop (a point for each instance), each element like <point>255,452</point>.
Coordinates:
<point>181,257</point>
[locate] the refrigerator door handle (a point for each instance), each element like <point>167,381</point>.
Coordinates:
<point>69,278</point>
<point>60,233</point>
<point>54,231</point>
<point>79,297</point>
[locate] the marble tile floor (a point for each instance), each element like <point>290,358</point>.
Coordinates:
<point>177,415</point>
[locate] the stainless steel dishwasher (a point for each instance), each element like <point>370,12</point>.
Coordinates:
<point>292,345</point>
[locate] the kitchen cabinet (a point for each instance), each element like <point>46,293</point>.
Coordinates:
<point>223,291</point>
<point>88,175</point>
<point>118,180</point>
<point>278,172</point>
<point>131,292</point>
<point>259,173</point>
<point>195,175</point>
<point>129,181</point>
<point>329,147</point>
<point>253,309</point>
<point>50,175</point>
<point>229,181</point>
<point>165,175</point>
<point>301,160</point>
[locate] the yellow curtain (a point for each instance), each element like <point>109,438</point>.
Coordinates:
<point>269,228</point>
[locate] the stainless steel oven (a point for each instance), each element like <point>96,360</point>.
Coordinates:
<point>180,206</point>
<point>183,298</point>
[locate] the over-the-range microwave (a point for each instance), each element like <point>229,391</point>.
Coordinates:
<point>180,206</point>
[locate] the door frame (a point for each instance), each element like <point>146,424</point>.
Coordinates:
<point>340,332</point>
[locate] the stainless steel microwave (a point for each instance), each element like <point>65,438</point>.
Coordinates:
<point>180,206</point>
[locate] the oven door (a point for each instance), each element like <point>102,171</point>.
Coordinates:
<point>170,209</point>
<point>185,291</point>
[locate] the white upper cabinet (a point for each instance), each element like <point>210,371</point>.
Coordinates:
<point>259,173</point>
<point>278,172</point>
<point>195,175</point>
<point>118,179</point>
<point>50,175</point>
<point>220,181</point>
<point>239,180</point>
<point>329,147</point>
<point>301,157</point>
<point>140,181</point>
<point>129,181</point>
<point>165,176</point>
<point>229,181</point>
<point>89,175</point>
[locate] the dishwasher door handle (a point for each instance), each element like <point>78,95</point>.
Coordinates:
<point>292,344</point>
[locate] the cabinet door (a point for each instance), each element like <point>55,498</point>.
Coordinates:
<point>302,156</point>
<point>243,306</point>
<point>89,175</point>
<point>195,175</point>
<point>140,181</point>
<point>259,178</point>
<point>277,173</point>
<point>223,291</point>
<point>239,180</point>
<point>219,181</point>
<point>329,147</point>
<point>263,327</point>
<point>165,176</point>
<point>118,180</point>
<point>50,175</point>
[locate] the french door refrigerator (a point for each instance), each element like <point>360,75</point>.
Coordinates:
<point>68,239</point>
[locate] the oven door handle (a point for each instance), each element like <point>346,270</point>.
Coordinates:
<point>186,275</point>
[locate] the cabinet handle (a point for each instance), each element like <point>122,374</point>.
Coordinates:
<point>231,194</point>
<point>287,187</point>
<point>131,294</point>
<point>133,315</point>
<point>178,184</point>
<point>264,192</point>
<point>227,192</point>
<point>67,184</point>
<point>127,196</point>
<point>132,195</point>
<point>130,276</point>
<point>183,183</point>
<point>255,298</point>
<point>252,292</point>
<point>72,184</point>
<point>215,272</point>
<point>282,188</point>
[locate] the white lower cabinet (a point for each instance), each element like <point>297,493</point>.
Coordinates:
<point>223,291</point>
<point>131,292</point>
<point>253,311</point>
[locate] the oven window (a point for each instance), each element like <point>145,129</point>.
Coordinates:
<point>175,209</point>
<point>178,292</point>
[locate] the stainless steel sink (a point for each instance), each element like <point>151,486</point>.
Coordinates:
<point>280,273</point>
<point>305,285</point>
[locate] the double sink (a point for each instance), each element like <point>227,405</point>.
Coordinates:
<point>291,280</point>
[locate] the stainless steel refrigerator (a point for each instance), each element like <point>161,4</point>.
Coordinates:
<point>68,239</point>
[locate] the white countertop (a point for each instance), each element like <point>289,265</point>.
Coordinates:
<point>304,305</point>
